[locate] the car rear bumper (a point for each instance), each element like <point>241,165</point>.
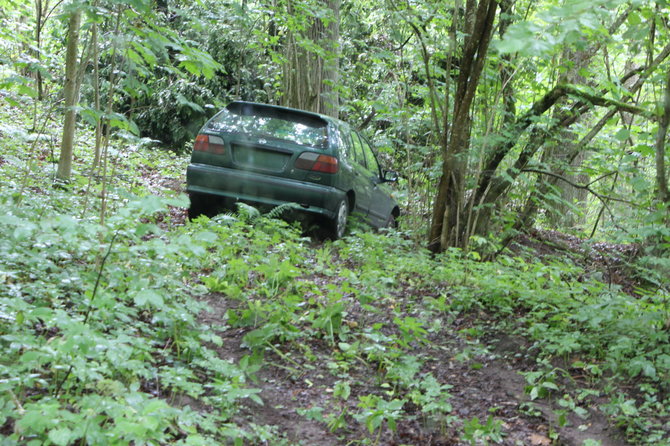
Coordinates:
<point>269,190</point>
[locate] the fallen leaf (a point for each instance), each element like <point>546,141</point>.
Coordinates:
<point>539,440</point>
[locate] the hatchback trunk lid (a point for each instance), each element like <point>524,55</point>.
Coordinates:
<point>268,140</point>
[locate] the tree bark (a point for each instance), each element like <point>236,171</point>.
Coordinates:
<point>310,79</point>
<point>71,93</point>
<point>661,137</point>
<point>556,153</point>
<point>41,8</point>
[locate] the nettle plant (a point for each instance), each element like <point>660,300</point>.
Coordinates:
<point>99,330</point>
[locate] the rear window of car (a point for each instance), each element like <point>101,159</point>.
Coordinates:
<point>272,122</point>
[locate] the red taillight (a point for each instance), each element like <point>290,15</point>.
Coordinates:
<point>209,144</point>
<point>317,163</point>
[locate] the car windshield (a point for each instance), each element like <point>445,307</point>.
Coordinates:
<point>273,123</point>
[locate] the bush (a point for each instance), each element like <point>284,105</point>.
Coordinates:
<point>175,113</point>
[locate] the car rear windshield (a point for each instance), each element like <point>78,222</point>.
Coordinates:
<point>272,122</point>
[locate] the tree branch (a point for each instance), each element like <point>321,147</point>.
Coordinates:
<point>566,119</point>
<point>586,187</point>
<point>606,102</point>
<point>367,119</point>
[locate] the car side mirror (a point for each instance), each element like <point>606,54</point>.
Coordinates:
<point>390,176</point>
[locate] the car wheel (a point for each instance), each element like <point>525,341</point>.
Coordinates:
<point>197,207</point>
<point>339,223</point>
<point>391,222</point>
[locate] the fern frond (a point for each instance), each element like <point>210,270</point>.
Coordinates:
<point>277,211</point>
<point>225,217</point>
<point>247,212</point>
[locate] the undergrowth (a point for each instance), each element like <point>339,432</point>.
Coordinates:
<point>103,340</point>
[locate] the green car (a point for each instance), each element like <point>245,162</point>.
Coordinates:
<point>269,155</point>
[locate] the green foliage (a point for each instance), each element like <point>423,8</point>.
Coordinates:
<point>376,411</point>
<point>63,335</point>
<point>475,432</point>
<point>175,111</point>
<point>556,26</point>
<point>101,324</point>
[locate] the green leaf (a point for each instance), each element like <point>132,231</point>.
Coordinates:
<point>634,18</point>
<point>132,55</point>
<point>622,134</point>
<point>516,39</point>
<point>150,297</point>
<point>549,385</point>
<point>61,436</point>
<point>151,204</point>
<point>206,236</point>
<point>192,105</point>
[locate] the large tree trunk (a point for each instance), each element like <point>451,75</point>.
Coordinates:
<point>447,226</point>
<point>661,137</point>
<point>310,79</point>
<point>557,154</point>
<point>71,93</point>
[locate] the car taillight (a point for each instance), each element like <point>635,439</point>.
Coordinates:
<point>209,144</point>
<point>317,163</point>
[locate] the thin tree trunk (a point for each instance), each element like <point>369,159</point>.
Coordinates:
<point>71,94</point>
<point>41,8</point>
<point>108,127</point>
<point>96,96</point>
<point>557,153</point>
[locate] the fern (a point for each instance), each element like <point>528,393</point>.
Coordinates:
<point>279,210</point>
<point>250,214</point>
<point>247,213</point>
<point>224,217</point>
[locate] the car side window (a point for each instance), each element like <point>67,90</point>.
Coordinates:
<point>370,158</point>
<point>344,141</point>
<point>359,155</point>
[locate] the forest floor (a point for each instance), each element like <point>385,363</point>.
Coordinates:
<point>482,366</point>
<point>483,375</point>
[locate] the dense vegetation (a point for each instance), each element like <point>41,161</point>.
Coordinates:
<point>123,323</point>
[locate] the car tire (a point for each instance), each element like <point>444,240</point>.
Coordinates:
<point>197,207</point>
<point>391,222</point>
<point>338,225</point>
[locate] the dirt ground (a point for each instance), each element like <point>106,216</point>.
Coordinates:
<point>483,375</point>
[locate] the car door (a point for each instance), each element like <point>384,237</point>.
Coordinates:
<point>361,178</point>
<point>380,200</point>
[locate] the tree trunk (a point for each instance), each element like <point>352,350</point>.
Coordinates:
<point>310,79</point>
<point>661,136</point>
<point>557,154</point>
<point>41,8</point>
<point>71,93</point>
<point>447,226</point>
